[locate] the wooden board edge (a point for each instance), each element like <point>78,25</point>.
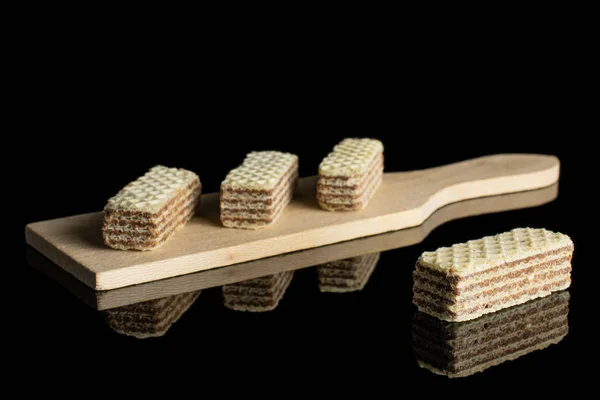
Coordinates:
<point>501,186</point>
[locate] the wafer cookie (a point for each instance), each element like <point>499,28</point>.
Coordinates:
<point>350,175</point>
<point>148,211</point>
<point>481,276</point>
<point>255,194</point>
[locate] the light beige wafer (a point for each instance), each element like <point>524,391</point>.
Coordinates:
<point>259,294</point>
<point>256,193</point>
<point>151,318</point>
<point>348,275</point>
<point>148,211</point>
<point>350,175</point>
<point>481,276</point>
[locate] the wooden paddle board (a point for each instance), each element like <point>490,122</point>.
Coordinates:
<point>404,200</point>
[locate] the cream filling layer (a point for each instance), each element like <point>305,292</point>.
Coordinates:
<point>467,281</point>
<point>370,190</point>
<point>508,288</point>
<point>502,280</point>
<point>116,221</point>
<point>539,291</point>
<point>145,232</point>
<point>249,215</point>
<point>120,241</point>
<point>358,181</point>
<point>247,203</point>
<point>244,220</point>
<point>327,192</point>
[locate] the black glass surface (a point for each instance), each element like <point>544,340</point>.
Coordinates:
<point>94,108</point>
<point>312,338</point>
<point>364,321</point>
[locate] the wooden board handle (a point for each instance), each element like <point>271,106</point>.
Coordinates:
<point>480,177</point>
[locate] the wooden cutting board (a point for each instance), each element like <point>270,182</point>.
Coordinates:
<point>405,199</point>
<point>107,299</point>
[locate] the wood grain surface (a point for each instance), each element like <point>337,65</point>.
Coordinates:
<point>405,199</point>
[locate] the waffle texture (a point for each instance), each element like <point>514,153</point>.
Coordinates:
<point>149,210</point>
<point>256,193</point>
<point>482,276</point>
<point>152,191</point>
<point>350,175</point>
<point>351,157</point>
<point>260,170</point>
<point>478,255</point>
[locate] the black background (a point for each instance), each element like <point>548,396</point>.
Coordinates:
<point>93,123</point>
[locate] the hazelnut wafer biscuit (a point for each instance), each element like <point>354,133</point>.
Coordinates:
<point>255,194</point>
<point>481,276</point>
<point>350,175</point>
<point>148,211</point>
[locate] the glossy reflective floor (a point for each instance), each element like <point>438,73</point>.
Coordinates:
<point>344,306</point>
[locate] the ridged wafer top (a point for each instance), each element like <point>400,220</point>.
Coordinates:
<point>260,170</point>
<point>150,192</point>
<point>477,255</point>
<point>350,157</point>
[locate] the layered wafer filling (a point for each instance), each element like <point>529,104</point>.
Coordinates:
<point>464,348</point>
<point>255,194</point>
<point>350,175</point>
<point>149,210</point>
<point>151,318</point>
<point>257,295</point>
<point>347,275</point>
<point>470,279</point>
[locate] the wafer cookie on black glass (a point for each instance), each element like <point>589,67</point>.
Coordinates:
<point>481,276</point>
